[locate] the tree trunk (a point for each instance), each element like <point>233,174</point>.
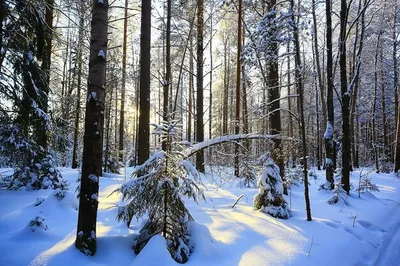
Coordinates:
<point>274,102</point>
<point>318,65</point>
<point>78,89</point>
<point>93,140</point>
<point>191,83</point>
<point>238,76</point>
<point>41,127</point>
<point>144,109</point>
<point>345,99</point>
<point>199,100</point>
<point>396,90</point>
<point>121,151</point>
<point>167,79</point>
<point>384,122</point>
<point>300,89</point>
<point>329,142</point>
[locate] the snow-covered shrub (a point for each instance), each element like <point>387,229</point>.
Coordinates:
<point>270,189</point>
<point>38,175</point>
<point>157,188</point>
<point>365,184</point>
<point>38,223</point>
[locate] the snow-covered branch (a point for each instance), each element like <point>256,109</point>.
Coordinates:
<point>229,138</point>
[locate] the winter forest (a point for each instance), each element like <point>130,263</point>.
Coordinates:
<point>208,132</point>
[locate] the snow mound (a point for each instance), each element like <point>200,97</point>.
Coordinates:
<point>59,198</point>
<point>205,246</point>
<point>154,253</point>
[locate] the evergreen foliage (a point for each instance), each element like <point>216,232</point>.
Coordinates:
<point>270,189</point>
<point>39,174</point>
<point>248,174</point>
<point>157,187</point>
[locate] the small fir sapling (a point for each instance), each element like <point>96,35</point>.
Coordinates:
<point>365,184</point>
<point>270,189</point>
<point>157,188</point>
<point>338,193</point>
<point>38,222</point>
<point>247,173</point>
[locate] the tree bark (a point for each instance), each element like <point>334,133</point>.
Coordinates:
<point>93,140</point>
<point>238,76</point>
<point>199,100</point>
<point>345,99</point>
<point>274,102</point>
<point>144,109</point>
<point>329,142</point>
<point>41,127</point>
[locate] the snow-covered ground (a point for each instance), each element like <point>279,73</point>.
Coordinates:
<point>222,235</point>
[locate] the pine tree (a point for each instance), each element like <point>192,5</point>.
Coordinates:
<point>157,187</point>
<point>93,140</point>
<point>270,189</point>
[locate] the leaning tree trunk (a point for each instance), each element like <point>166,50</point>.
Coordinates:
<point>93,140</point>
<point>199,100</point>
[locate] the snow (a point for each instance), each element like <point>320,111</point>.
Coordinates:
<point>329,130</point>
<point>220,234</point>
<point>101,54</point>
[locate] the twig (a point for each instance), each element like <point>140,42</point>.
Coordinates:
<point>240,197</point>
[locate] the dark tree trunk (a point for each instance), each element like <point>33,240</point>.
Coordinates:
<point>93,140</point>
<point>329,142</point>
<point>167,80</point>
<point>41,127</point>
<point>199,100</point>
<point>345,99</point>
<point>122,109</point>
<point>144,109</point>
<point>274,102</point>
<point>238,76</point>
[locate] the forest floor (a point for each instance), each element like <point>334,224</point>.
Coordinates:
<point>222,235</point>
